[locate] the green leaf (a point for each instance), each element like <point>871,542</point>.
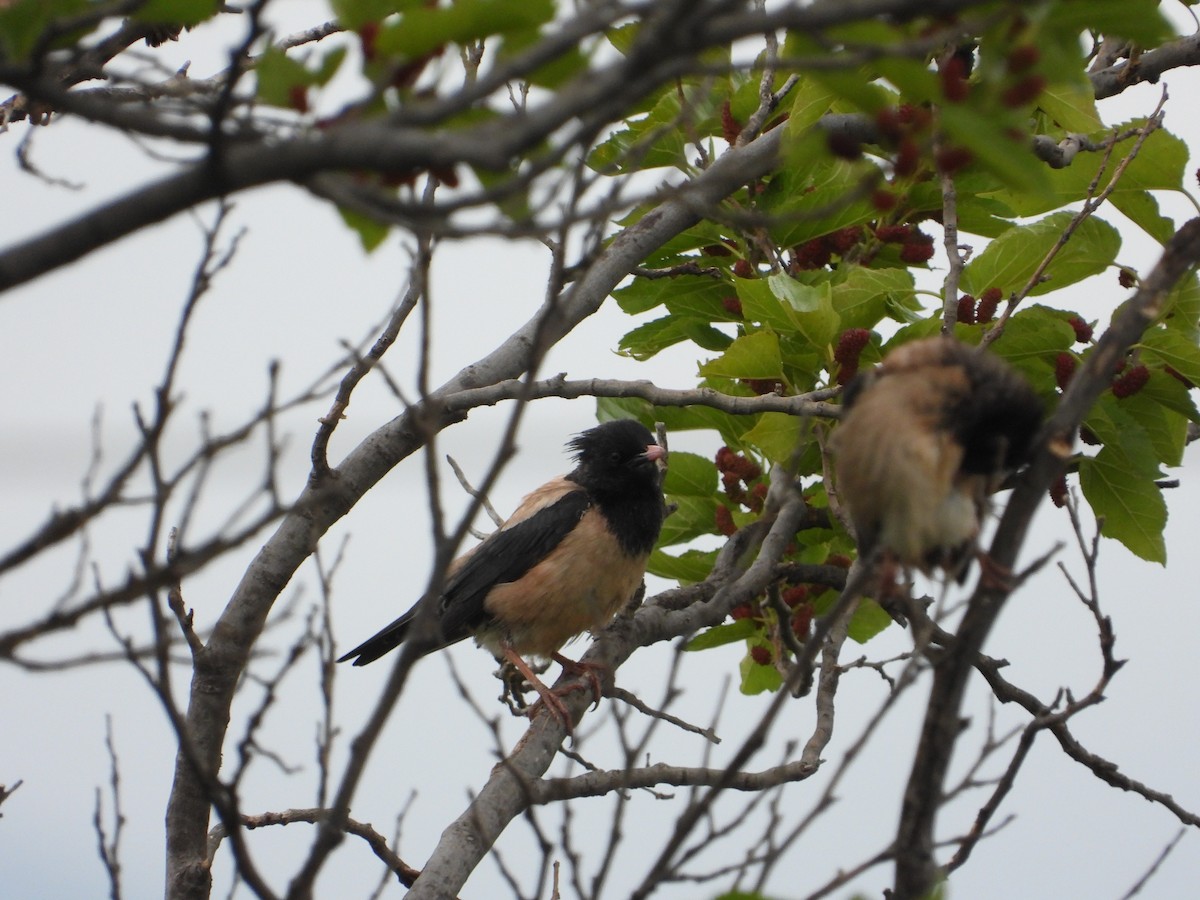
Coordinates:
<point>657,139</point>
<point>691,475</point>
<point>758,679</point>
<point>1166,429</point>
<point>560,70</point>
<point>278,75</point>
<point>371,232</point>
<point>1032,340</point>
<point>993,147</point>
<point>23,24</point>
<point>623,36</point>
<point>1139,21</point>
<point>863,297</point>
<point>643,294</point>
<point>869,619</point>
<point>760,304</point>
<point>1072,106</point>
<point>1141,208</point>
<point>647,340</point>
<point>1132,507</point>
<point>693,517</point>
<point>421,30</point>
<point>855,86</point>
<point>725,633</point>
<point>813,193</point>
<point>1173,349</point>
<point>777,435</point>
<point>353,14</point>
<point>675,418</point>
<point>916,81</point>
<point>690,567</point>
<point>814,315</point>
<point>800,297</point>
<point>810,101</point>
<point>1010,260</point>
<point>330,63</point>
<point>1114,426</point>
<point>1182,307</point>
<point>754,355</point>
<point>177,12</point>
<point>1170,394</point>
<point>1159,166</point>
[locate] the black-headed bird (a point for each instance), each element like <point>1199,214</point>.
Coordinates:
<point>925,439</point>
<point>572,555</point>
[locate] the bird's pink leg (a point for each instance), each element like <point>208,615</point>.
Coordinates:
<point>993,575</point>
<point>549,699</point>
<point>590,671</point>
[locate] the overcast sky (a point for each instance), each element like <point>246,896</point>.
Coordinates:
<point>94,335</point>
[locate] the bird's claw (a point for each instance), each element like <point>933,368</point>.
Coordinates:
<point>589,670</point>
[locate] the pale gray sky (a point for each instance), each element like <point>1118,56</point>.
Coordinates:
<point>96,332</point>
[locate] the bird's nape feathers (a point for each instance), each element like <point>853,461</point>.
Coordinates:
<point>924,439</point>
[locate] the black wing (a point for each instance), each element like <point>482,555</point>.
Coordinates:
<point>505,556</point>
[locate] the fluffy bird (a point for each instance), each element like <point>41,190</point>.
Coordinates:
<point>571,556</point>
<point>924,439</point>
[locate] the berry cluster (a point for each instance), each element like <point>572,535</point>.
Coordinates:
<point>849,348</point>
<point>915,245</point>
<point>738,477</point>
<point>820,251</point>
<point>971,311</point>
<point>1130,382</point>
<point>798,600</point>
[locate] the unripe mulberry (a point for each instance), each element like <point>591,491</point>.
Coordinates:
<point>1058,491</point>
<point>1083,331</point>
<point>1129,383</point>
<point>908,158</point>
<point>989,300</point>
<point>802,621</point>
<point>1024,91</point>
<point>730,127</point>
<point>950,159</point>
<point>731,463</point>
<point>851,345</point>
<point>794,596</point>
<point>916,252</point>
<point>844,239</point>
<point>1064,368</point>
<point>894,234</point>
<point>1022,59</point>
<point>762,655</point>
<point>883,200</point>
<point>953,75</point>
<point>843,145</point>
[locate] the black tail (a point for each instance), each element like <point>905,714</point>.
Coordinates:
<point>386,640</point>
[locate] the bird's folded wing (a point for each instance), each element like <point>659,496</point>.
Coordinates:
<point>527,538</point>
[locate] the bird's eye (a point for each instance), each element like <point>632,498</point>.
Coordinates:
<point>615,457</point>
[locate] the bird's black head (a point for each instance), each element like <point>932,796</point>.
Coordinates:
<point>616,457</point>
<point>615,465</point>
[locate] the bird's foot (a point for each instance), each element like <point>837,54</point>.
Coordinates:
<point>589,670</point>
<point>993,575</point>
<point>548,699</point>
<point>553,704</point>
